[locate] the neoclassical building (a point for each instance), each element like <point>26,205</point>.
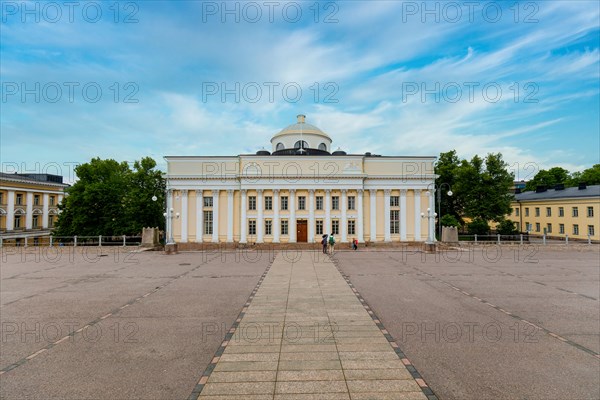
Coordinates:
<point>298,191</point>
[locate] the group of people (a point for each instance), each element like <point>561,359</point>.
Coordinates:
<point>328,243</point>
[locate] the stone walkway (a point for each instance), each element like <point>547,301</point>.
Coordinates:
<point>306,335</point>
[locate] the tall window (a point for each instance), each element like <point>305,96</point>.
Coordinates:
<point>394,221</point>
<point>268,227</point>
<point>335,227</point>
<point>351,203</point>
<point>591,230</point>
<point>17,221</point>
<point>351,227</point>
<point>50,221</point>
<point>319,227</point>
<point>516,212</point>
<point>301,203</point>
<point>268,203</point>
<point>251,202</point>
<point>575,212</point>
<point>319,202</point>
<point>19,200</point>
<point>335,202</point>
<point>52,200</point>
<point>35,221</point>
<point>252,227</point>
<point>590,211</point>
<point>284,226</point>
<point>575,229</point>
<point>537,227</point>
<point>1,198</point>
<point>561,229</point>
<point>208,222</point>
<point>561,211</point>
<point>284,202</point>
<point>537,211</point>
<point>395,201</point>
<point>548,211</point>
<point>527,211</point>
<point>549,228</point>
<point>36,200</point>
<point>208,202</point>
<point>528,226</point>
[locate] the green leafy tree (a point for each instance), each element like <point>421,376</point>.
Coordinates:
<point>483,187</point>
<point>446,168</point>
<point>549,178</point>
<point>449,220</point>
<point>591,176</point>
<point>111,199</point>
<point>478,227</point>
<point>506,227</point>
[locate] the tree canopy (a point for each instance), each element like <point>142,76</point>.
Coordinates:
<point>110,198</point>
<point>556,175</point>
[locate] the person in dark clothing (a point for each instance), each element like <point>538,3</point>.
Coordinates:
<point>324,243</point>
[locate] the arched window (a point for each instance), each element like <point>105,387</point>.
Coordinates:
<point>301,144</point>
<point>279,146</point>
<point>323,147</point>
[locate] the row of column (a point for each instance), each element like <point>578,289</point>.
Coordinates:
<point>292,215</point>
<point>10,212</point>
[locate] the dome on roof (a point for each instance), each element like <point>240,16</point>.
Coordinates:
<point>301,135</point>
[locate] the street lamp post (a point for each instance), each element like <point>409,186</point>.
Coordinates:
<point>169,215</point>
<point>438,190</point>
<point>430,219</point>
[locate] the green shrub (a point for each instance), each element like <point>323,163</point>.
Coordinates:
<point>478,227</point>
<point>506,227</point>
<point>449,220</point>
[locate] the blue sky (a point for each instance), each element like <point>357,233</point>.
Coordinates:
<point>390,77</point>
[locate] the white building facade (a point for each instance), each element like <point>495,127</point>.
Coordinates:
<point>298,192</point>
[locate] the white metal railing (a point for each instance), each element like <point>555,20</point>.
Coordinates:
<point>74,241</point>
<point>521,239</point>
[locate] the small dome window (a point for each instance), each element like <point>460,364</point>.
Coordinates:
<point>279,146</point>
<point>323,147</point>
<point>301,144</point>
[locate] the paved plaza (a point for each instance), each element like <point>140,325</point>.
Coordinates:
<point>482,323</point>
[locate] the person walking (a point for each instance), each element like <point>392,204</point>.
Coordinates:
<point>324,243</point>
<point>355,244</point>
<point>331,243</point>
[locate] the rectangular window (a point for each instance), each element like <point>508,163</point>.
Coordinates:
<point>549,228</point>
<point>561,229</point>
<point>561,211</point>
<point>284,202</point>
<point>17,221</point>
<point>301,202</point>
<point>208,201</point>
<point>351,227</point>
<point>591,230</point>
<point>518,226</point>
<point>537,227</point>
<point>1,198</point>
<point>590,211</point>
<point>394,221</point>
<point>528,226</point>
<point>51,200</point>
<point>319,227</point>
<point>575,229</point>
<point>268,203</point>
<point>284,226</point>
<point>394,201</point>
<point>516,212</point>
<point>575,212</point>
<point>251,202</point>
<point>36,200</point>
<point>548,211</point>
<point>537,211</point>
<point>268,227</point>
<point>319,202</point>
<point>527,211</point>
<point>208,221</point>
<point>50,221</point>
<point>335,227</point>
<point>351,203</point>
<point>252,227</point>
<point>35,221</point>
<point>19,201</point>
<point>335,202</point>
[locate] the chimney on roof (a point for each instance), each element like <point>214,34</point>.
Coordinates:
<point>301,118</point>
<point>559,186</point>
<point>582,185</point>
<point>540,189</point>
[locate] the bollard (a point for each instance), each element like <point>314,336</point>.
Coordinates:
<point>123,240</point>
<point>51,239</point>
<point>75,241</point>
<point>475,238</point>
<point>589,239</point>
<point>521,239</point>
<point>25,241</point>
<point>567,239</point>
<point>544,240</point>
<point>498,239</point>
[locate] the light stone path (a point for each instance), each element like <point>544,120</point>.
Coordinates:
<point>306,335</point>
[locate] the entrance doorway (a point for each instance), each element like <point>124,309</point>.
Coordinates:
<point>301,231</point>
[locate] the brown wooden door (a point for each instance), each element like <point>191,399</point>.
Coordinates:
<point>301,231</point>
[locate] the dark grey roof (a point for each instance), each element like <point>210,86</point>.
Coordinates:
<point>567,193</point>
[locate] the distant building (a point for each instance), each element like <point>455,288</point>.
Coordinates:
<point>29,206</point>
<point>518,187</point>
<point>559,212</point>
<point>297,192</point>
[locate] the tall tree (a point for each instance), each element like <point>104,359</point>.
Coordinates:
<point>111,199</point>
<point>591,176</point>
<point>549,178</point>
<point>447,169</point>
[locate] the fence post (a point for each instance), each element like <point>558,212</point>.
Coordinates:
<point>498,239</point>
<point>566,239</point>
<point>589,239</point>
<point>475,238</point>
<point>544,239</point>
<point>0,242</point>
<point>521,239</point>
<point>99,240</point>
<point>51,240</point>
<point>123,240</point>
<point>25,241</point>
<point>75,241</point>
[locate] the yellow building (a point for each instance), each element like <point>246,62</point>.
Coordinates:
<point>298,192</point>
<point>559,212</point>
<point>29,206</point>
